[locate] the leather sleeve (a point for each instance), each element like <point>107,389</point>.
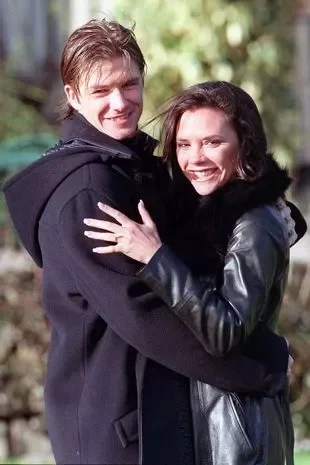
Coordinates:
<point>222,319</point>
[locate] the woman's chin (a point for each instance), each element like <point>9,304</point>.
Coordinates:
<point>204,188</point>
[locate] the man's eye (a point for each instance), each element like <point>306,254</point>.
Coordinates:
<point>129,85</point>
<point>100,91</point>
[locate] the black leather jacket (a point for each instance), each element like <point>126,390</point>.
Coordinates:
<point>233,429</point>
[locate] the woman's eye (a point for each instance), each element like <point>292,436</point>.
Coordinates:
<point>182,145</point>
<point>212,142</point>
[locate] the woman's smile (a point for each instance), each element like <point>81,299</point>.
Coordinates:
<point>207,149</point>
<point>202,175</point>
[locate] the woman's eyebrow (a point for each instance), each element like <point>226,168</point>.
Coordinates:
<point>211,136</point>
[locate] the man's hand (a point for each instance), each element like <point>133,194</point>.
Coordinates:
<point>290,360</point>
<point>290,223</point>
<point>290,364</point>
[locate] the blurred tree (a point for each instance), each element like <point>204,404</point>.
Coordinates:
<point>247,42</point>
<point>18,116</point>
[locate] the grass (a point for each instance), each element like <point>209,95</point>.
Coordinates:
<point>302,458</point>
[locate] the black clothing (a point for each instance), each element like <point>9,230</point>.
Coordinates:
<point>239,244</point>
<point>106,324</point>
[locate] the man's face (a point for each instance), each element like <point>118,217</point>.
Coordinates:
<point>111,99</point>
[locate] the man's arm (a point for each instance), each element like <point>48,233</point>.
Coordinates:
<point>140,318</point>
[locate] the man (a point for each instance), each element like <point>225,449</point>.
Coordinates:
<point>116,385</point>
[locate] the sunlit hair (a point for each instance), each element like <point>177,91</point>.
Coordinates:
<point>240,111</point>
<point>89,46</point>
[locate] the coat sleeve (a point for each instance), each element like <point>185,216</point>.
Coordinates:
<point>110,286</point>
<point>223,319</point>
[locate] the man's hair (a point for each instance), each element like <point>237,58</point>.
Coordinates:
<point>90,45</point>
<point>241,112</point>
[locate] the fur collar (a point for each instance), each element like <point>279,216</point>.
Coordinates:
<point>204,224</point>
<point>244,195</point>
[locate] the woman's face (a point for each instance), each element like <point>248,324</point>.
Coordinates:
<point>207,149</point>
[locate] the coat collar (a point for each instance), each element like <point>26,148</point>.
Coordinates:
<point>205,223</point>
<point>239,196</point>
<point>78,128</point>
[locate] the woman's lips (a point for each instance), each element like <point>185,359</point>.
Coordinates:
<point>201,175</point>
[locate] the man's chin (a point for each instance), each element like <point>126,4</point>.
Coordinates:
<point>124,133</point>
<point>117,133</point>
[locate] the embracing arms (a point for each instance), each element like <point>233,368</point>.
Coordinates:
<point>143,320</point>
<point>254,274</point>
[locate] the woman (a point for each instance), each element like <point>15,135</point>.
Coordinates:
<point>224,270</point>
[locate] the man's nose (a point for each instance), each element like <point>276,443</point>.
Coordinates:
<point>117,100</point>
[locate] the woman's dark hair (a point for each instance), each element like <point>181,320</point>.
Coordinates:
<point>241,112</point>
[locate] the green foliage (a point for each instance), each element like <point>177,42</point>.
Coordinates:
<point>21,127</point>
<point>248,42</point>
<point>16,116</point>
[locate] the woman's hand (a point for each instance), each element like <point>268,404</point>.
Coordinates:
<point>137,241</point>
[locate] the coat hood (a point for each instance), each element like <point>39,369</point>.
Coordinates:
<point>28,192</point>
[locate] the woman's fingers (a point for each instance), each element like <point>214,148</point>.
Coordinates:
<point>145,216</point>
<point>117,215</point>
<point>108,237</point>
<point>107,249</point>
<point>101,224</point>
<point>137,241</point>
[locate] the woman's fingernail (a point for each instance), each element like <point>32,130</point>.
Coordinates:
<point>86,221</point>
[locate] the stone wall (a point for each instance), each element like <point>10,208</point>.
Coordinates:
<point>25,335</point>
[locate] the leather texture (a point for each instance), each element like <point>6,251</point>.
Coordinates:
<point>233,429</point>
<point>254,277</point>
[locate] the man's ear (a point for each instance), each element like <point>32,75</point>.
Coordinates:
<point>72,97</point>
